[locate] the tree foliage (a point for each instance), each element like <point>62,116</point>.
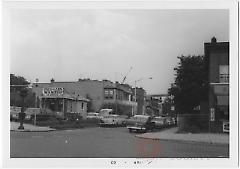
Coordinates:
<point>20,94</point>
<point>191,83</point>
<point>89,104</point>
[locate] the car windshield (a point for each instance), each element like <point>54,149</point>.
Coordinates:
<point>111,116</point>
<point>104,111</point>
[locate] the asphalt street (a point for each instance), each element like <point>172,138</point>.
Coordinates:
<point>105,143</point>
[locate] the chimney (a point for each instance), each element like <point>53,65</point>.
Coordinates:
<point>213,40</point>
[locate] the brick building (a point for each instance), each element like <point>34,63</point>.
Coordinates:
<point>217,55</point>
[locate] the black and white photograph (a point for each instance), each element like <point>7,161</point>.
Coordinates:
<point>143,84</point>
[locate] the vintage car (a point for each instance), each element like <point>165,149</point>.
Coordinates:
<point>140,123</point>
<point>113,120</point>
<point>160,122</point>
<point>105,112</point>
<point>170,121</point>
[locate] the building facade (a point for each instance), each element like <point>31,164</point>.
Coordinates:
<point>100,94</point>
<point>217,55</point>
<point>160,105</point>
<point>140,99</point>
<point>59,101</point>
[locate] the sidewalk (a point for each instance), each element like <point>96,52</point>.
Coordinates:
<point>29,128</point>
<point>170,134</point>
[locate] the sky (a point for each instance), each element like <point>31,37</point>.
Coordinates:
<point>105,44</point>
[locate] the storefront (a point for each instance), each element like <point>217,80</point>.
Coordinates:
<point>219,107</point>
<point>57,100</point>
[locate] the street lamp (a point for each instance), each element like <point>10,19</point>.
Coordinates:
<point>135,83</point>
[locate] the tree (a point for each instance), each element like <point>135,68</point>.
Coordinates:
<point>191,83</point>
<point>166,106</point>
<point>20,94</point>
<point>89,104</point>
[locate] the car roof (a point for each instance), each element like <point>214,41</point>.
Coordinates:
<point>141,116</point>
<point>107,109</point>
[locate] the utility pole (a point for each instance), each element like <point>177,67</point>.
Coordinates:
<point>126,75</point>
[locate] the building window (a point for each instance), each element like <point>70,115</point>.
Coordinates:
<point>108,94</point>
<point>223,73</point>
<point>82,106</point>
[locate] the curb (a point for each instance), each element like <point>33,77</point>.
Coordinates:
<point>28,130</point>
<point>188,141</point>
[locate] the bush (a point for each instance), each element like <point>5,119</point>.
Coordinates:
<point>193,123</point>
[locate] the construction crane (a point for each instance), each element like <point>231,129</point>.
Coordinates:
<point>126,75</point>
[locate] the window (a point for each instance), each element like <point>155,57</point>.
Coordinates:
<point>223,73</point>
<point>108,94</point>
<point>82,106</point>
<point>71,106</point>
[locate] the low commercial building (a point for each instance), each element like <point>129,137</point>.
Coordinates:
<point>58,100</point>
<point>217,54</point>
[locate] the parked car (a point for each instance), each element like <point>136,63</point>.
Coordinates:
<point>140,123</point>
<point>159,122</point>
<point>105,112</point>
<point>92,115</point>
<point>112,120</point>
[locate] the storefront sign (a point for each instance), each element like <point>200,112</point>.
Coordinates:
<point>53,91</point>
<point>225,126</point>
<point>212,114</point>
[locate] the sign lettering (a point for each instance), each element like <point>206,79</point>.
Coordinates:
<point>53,91</point>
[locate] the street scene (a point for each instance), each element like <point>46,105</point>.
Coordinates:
<point>119,83</point>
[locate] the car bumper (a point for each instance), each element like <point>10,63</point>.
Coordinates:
<point>136,128</point>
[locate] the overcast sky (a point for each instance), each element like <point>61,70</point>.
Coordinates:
<point>103,44</point>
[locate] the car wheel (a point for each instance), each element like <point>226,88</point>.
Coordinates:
<point>130,130</point>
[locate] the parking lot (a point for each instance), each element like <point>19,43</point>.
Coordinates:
<point>104,142</point>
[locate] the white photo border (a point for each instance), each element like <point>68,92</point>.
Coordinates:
<point>232,6</point>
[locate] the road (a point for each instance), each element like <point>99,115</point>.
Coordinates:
<point>107,143</point>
